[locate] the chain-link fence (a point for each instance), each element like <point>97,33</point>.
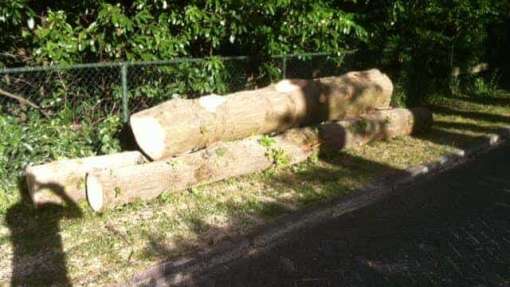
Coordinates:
<point>54,112</point>
<point>92,90</point>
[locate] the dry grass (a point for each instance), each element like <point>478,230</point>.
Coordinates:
<point>111,247</point>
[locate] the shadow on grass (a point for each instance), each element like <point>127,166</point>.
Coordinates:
<point>38,257</point>
<point>503,100</point>
<point>338,175</point>
<point>489,117</point>
<point>465,126</point>
<point>450,133</point>
<point>451,139</point>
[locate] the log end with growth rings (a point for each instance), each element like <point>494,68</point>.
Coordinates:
<point>149,135</point>
<point>94,192</point>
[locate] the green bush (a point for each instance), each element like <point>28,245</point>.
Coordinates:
<point>482,87</point>
<point>39,140</point>
<point>421,41</point>
<point>417,42</point>
<point>97,30</point>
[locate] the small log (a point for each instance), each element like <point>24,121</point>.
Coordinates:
<point>385,125</point>
<point>183,125</point>
<point>57,181</point>
<point>108,188</point>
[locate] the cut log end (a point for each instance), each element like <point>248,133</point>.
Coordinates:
<point>63,181</point>
<point>149,135</point>
<point>94,193</point>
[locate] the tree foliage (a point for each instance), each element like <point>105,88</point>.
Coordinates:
<point>417,39</point>
<point>425,36</point>
<point>421,41</point>
<point>98,30</point>
<point>417,42</point>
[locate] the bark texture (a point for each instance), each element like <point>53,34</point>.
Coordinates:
<point>52,182</point>
<point>181,125</point>
<point>108,188</point>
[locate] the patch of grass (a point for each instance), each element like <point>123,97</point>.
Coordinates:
<point>276,154</point>
<point>111,247</point>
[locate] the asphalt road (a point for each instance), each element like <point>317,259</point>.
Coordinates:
<point>453,230</point>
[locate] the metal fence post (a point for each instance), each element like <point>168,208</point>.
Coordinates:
<point>284,66</point>
<point>125,95</point>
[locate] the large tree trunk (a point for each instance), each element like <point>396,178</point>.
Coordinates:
<point>64,180</point>
<point>117,186</point>
<point>180,125</point>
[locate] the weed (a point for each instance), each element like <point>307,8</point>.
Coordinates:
<point>267,141</point>
<point>276,154</point>
<point>221,151</point>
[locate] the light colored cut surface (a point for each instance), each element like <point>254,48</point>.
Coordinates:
<point>64,180</point>
<point>95,199</point>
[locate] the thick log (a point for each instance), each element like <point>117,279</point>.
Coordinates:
<point>108,188</point>
<point>182,125</point>
<point>63,180</point>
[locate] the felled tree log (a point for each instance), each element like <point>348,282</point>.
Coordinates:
<point>117,186</point>
<point>386,125</point>
<point>65,179</point>
<point>182,125</point>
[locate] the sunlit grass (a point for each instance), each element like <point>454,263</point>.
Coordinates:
<point>111,247</point>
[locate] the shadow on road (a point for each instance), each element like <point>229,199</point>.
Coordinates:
<point>450,231</point>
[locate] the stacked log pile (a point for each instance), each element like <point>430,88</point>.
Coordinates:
<point>199,141</point>
<point>111,187</point>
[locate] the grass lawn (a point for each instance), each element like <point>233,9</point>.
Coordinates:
<point>89,249</point>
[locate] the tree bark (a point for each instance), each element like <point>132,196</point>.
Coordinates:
<point>108,188</point>
<point>181,125</point>
<point>65,179</point>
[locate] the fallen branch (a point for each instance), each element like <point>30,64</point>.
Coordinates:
<point>23,101</point>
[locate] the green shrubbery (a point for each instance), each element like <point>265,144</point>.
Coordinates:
<point>39,140</point>
<point>417,42</point>
<point>98,30</point>
<point>420,42</point>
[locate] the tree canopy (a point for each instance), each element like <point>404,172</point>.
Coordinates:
<point>101,30</point>
<point>418,42</point>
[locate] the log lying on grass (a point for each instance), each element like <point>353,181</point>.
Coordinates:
<point>386,124</point>
<point>117,186</point>
<point>64,180</point>
<point>181,125</point>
